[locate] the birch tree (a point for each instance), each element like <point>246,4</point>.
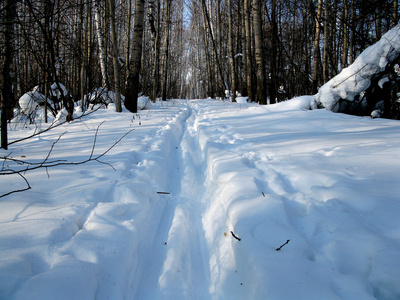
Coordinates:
<point>316,48</point>
<point>114,39</point>
<point>100,39</point>
<point>259,52</point>
<point>166,49</point>
<point>231,52</point>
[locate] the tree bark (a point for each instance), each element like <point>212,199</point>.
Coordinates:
<point>7,95</point>
<point>259,52</point>
<point>128,37</point>
<point>118,107</point>
<point>249,73</point>
<point>316,48</point>
<point>133,84</point>
<point>274,82</point>
<point>156,65</point>
<point>100,40</point>
<point>345,34</point>
<point>210,85</point>
<point>231,52</point>
<point>166,49</point>
<point>327,40</point>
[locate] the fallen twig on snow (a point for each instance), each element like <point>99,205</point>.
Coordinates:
<point>235,236</point>
<point>278,249</point>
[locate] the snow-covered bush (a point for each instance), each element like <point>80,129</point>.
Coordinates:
<point>102,96</point>
<point>369,80</point>
<point>56,92</point>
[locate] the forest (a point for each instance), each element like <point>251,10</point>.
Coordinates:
<point>267,50</point>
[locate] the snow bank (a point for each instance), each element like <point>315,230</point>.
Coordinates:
<point>144,102</point>
<point>29,101</point>
<point>356,78</point>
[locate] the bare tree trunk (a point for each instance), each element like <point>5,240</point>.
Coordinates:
<point>353,32</point>
<point>231,52</point>
<point>259,49</point>
<point>274,82</point>
<point>395,12</point>
<point>327,39</point>
<point>244,47</point>
<point>249,73</point>
<point>128,37</point>
<point>210,85</point>
<point>214,46</point>
<point>100,39</point>
<point>316,48</point>
<point>156,65</point>
<point>133,84</point>
<point>166,49</point>
<point>7,96</point>
<point>345,34</point>
<point>118,107</point>
<point>83,80</point>
<point>378,22</point>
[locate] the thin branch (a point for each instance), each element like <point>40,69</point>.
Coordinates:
<point>18,191</point>
<point>52,125</point>
<point>235,236</point>
<point>49,164</point>
<point>279,248</point>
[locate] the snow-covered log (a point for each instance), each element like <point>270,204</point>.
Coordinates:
<point>359,88</point>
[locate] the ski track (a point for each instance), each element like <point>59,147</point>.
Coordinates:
<point>177,264</point>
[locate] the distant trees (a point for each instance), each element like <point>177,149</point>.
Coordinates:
<point>267,50</point>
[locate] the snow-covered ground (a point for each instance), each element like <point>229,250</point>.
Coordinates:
<point>192,179</point>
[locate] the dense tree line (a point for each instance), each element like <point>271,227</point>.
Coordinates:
<point>268,50</point>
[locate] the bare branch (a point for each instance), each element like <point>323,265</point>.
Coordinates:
<point>55,163</point>
<point>21,190</point>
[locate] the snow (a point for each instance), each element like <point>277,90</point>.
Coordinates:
<point>159,225</point>
<point>28,102</point>
<point>144,103</point>
<point>356,78</point>
<point>55,91</point>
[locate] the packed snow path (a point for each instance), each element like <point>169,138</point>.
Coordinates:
<point>192,172</point>
<point>177,266</point>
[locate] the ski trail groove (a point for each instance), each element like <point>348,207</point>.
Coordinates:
<point>178,261</point>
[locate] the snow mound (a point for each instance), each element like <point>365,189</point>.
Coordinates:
<point>143,102</point>
<point>102,95</point>
<point>241,100</point>
<point>356,78</point>
<point>29,101</point>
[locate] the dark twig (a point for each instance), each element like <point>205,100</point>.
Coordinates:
<point>278,249</point>
<point>21,190</point>
<point>235,236</point>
